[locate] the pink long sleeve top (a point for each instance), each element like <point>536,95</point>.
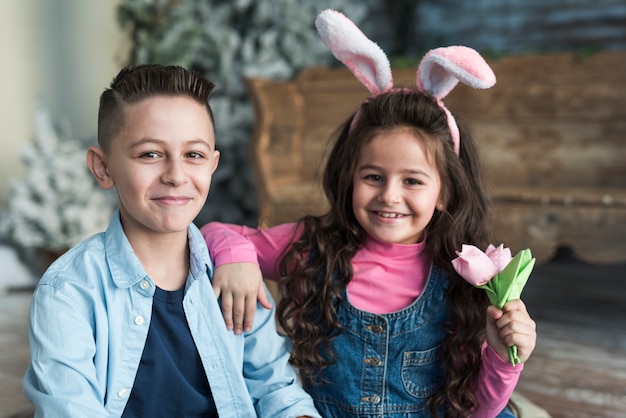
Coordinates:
<point>397,263</point>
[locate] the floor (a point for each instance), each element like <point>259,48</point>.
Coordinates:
<point>13,351</point>
<point>578,369</point>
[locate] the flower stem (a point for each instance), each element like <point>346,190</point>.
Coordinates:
<point>513,356</point>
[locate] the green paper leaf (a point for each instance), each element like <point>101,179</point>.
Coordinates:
<point>491,293</point>
<point>512,279</point>
<point>515,291</point>
<point>521,274</point>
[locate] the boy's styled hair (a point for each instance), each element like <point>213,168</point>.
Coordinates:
<point>136,83</point>
<point>313,286</point>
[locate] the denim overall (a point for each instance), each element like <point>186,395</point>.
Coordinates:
<point>388,364</point>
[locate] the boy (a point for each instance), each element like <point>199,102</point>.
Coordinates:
<point>126,323</point>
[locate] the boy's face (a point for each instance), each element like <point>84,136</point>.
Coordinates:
<point>161,164</point>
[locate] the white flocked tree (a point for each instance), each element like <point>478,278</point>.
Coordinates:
<point>57,202</point>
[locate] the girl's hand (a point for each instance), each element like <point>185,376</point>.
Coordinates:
<point>511,325</point>
<point>240,285</point>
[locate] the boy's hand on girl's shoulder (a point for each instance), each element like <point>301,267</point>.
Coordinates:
<point>511,325</point>
<point>240,285</point>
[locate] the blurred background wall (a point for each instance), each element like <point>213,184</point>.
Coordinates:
<point>61,53</point>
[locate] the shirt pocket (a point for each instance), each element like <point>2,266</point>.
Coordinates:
<point>422,372</point>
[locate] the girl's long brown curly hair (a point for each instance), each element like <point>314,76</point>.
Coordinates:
<point>313,285</point>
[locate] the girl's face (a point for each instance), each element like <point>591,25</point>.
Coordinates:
<point>396,187</point>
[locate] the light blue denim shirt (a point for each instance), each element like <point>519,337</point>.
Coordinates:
<point>89,321</point>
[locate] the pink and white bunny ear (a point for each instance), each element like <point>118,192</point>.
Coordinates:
<point>442,68</point>
<point>364,58</point>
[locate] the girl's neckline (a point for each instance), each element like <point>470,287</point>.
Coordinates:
<point>373,243</point>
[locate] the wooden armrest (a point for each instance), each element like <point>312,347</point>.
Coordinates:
<point>567,197</point>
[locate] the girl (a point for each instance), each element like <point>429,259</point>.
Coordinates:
<point>380,323</point>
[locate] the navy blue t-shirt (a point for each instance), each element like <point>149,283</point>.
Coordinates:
<point>170,381</point>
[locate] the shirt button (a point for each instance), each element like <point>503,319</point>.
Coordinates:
<point>376,329</point>
<point>122,393</point>
<point>144,284</point>
<point>139,320</point>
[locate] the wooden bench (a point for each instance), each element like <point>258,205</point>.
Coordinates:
<point>552,134</point>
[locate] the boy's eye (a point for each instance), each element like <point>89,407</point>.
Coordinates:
<point>149,155</point>
<point>195,155</point>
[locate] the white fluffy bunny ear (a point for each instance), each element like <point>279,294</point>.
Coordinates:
<point>349,45</point>
<point>442,68</point>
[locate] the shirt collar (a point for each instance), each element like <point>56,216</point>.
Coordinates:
<point>126,269</point>
<point>200,263</point>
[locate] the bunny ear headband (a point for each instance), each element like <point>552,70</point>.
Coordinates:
<point>438,72</point>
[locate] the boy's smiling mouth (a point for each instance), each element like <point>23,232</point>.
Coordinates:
<point>172,200</point>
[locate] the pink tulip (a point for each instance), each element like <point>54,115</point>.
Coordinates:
<point>482,269</point>
<point>474,265</point>
<point>501,256</point>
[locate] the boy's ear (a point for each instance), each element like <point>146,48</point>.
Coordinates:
<point>97,163</point>
<point>216,160</point>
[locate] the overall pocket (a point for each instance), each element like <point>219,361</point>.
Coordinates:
<point>422,372</point>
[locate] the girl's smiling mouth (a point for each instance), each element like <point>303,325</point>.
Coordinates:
<point>390,215</point>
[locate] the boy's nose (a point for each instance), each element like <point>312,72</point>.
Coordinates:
<point>174,173</point>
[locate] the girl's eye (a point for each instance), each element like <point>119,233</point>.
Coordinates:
<point>374,177</point>
<point>413,182</point>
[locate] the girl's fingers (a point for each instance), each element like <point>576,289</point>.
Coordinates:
<point>263,299</point>
<point>516,327</point>
<point>227,309</point>
<point>511,325</point>
<point>238,311</point>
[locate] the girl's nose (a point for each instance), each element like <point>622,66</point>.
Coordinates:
<point>390,195</point>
